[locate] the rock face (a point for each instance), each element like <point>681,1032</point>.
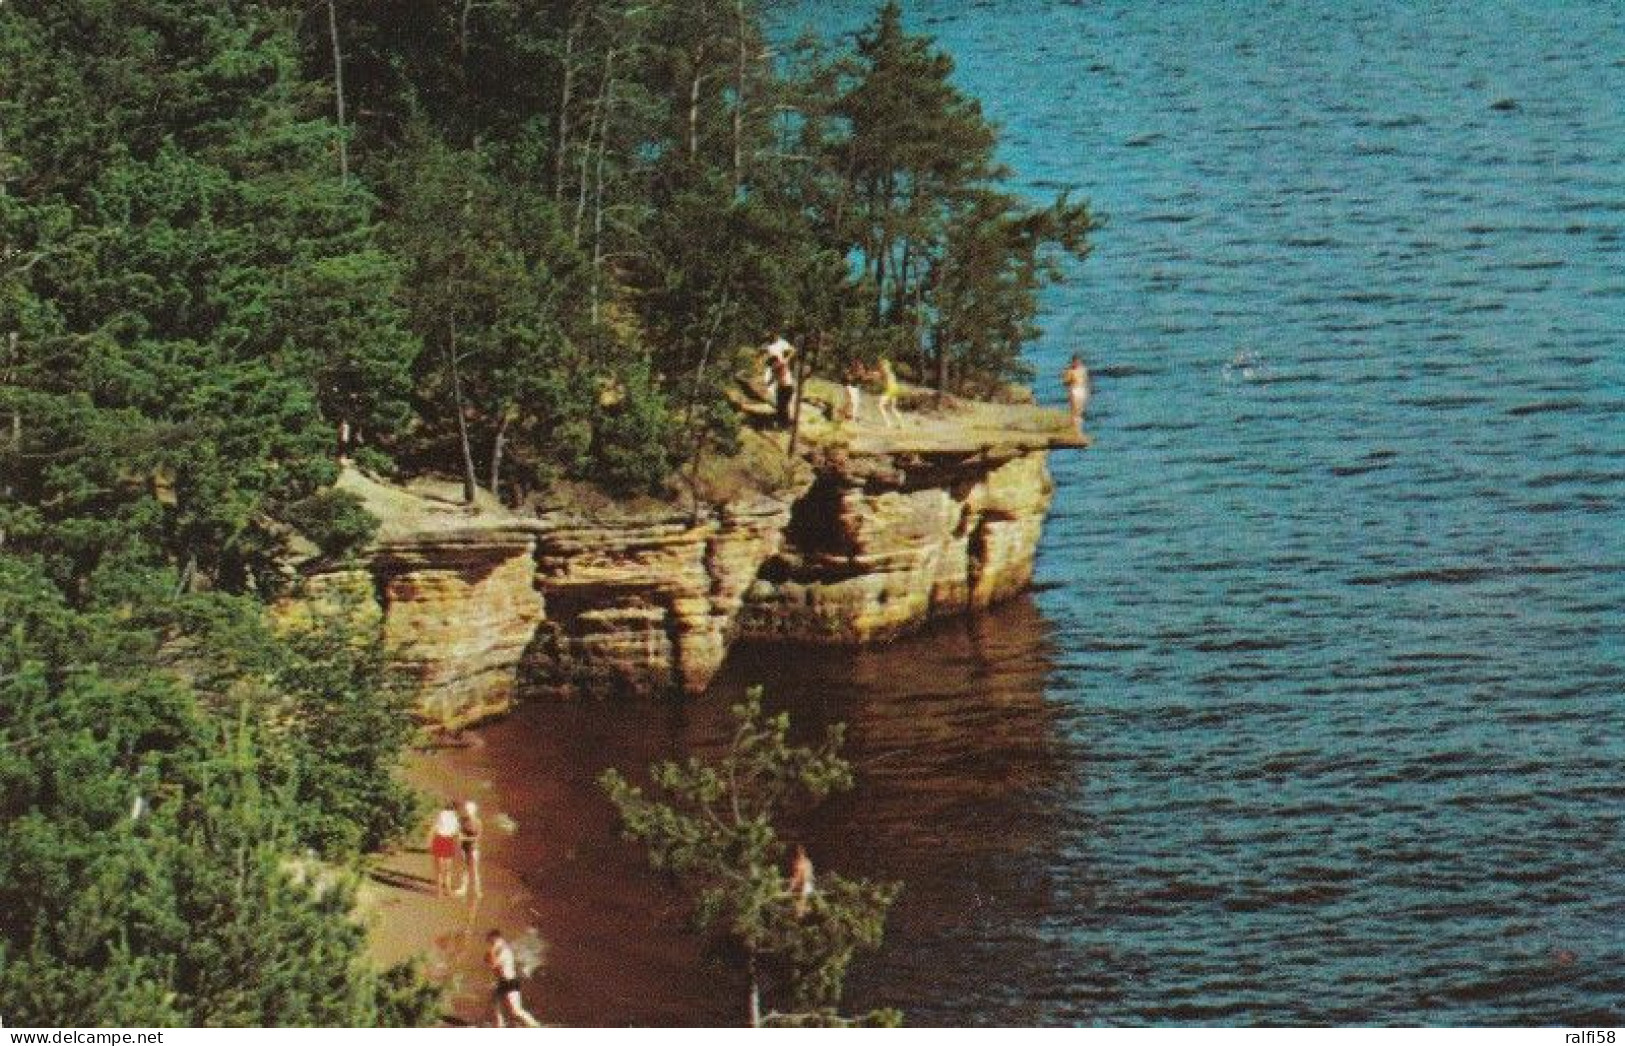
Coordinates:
<point>645,604</point>
<point>881,545</point>
<point>460,610</point>
<point>886,531</point>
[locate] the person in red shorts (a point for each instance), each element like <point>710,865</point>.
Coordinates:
<point>443,837</point>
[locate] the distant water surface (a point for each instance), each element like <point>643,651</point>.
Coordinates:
<point>1317,714</point>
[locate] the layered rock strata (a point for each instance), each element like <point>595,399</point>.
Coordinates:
<point>881,545</point>
<point>460,609</point>
<point>883,532</point>
<point>645,604</point>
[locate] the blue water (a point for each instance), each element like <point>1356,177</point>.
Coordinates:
<point>1316,716</point>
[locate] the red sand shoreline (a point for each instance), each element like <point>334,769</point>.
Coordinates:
<point>616,949</point>
<point>448,933</point>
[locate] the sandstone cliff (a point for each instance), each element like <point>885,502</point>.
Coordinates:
<point>871,535</point>
<point>645,603</point>
<point>880,545</point>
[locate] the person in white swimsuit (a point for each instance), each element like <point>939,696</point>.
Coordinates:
<point>1076,380</point>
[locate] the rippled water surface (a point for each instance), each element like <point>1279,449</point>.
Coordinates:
<point>1317,713</point>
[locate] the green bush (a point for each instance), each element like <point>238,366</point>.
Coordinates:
<point>335,520</point>
<point>147,829</point>
<point>632,437</point>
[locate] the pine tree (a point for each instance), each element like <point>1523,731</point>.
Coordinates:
<point>951,264</point>
<point>196,302</point>
<point>145,842</point>
<point>489,269</point>
<point>714,825</point>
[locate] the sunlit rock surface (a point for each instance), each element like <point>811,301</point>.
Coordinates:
<point>879,547</point>
<point>873,533</point>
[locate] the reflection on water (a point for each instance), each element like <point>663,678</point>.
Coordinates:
<point>1335,604</point>
<point>1321,722</point>
<point>962,780</point>
<point>961,776</point>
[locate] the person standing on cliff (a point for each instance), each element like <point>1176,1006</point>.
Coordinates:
<point>801,880</point>
<point>889,391</point>
<point>443,847</point>
<point>1076,380</point>
<point>779,379</point>
<point>784,391</point>
<point>853,377</point>
<point>505,998</point>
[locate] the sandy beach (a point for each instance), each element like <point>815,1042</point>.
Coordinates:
<point>614,952</point>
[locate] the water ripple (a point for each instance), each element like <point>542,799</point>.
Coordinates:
<point>1321,719</point>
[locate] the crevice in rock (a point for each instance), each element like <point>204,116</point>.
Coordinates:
<point>815,518</point>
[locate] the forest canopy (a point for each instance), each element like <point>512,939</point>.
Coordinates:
<point>516,241</point>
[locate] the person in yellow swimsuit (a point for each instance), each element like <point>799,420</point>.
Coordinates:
<point>889,390</point>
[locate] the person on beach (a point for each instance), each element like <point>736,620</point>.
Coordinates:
<point>469,829</point>
<point>1076,380</point>
<point>889,391</point>
<point>443,847</point>
<point>801,880</point>
<point>505,999</point>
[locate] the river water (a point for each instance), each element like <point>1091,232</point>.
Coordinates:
<point>1316,713</point>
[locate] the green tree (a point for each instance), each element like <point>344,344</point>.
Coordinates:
<point>488,272</point>
<point>145,871</point>
<point>714,825</point>
<point>192,301</point>
<point>345,718</point>
<point>982,294</point>
<point>951,264</point>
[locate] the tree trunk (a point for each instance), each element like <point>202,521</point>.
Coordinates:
<point>900,306</point>
<point>598,201</point>
<point>755,996</point>
<point>803,368</point>
<point>188,576</point>
<point>470,483</point>
<point>700,443</point>
<point>941,347</point>
<point>498,445</point>
<point>561,135</point>
<point>462,33</point>
<point>595,125</point>
<point>338,90</point>
<point>694,104</point>
<point>13,362</point>
<point>887,194</point>
<point>739,99</point>
<point>13,358</point>
<point>693,402</point>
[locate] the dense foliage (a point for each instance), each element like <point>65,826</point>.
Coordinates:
<point>189,302</point>
<point>516,240</point>
<point>149,826</point>
<point>714,824</point>
<point>242,241</point>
